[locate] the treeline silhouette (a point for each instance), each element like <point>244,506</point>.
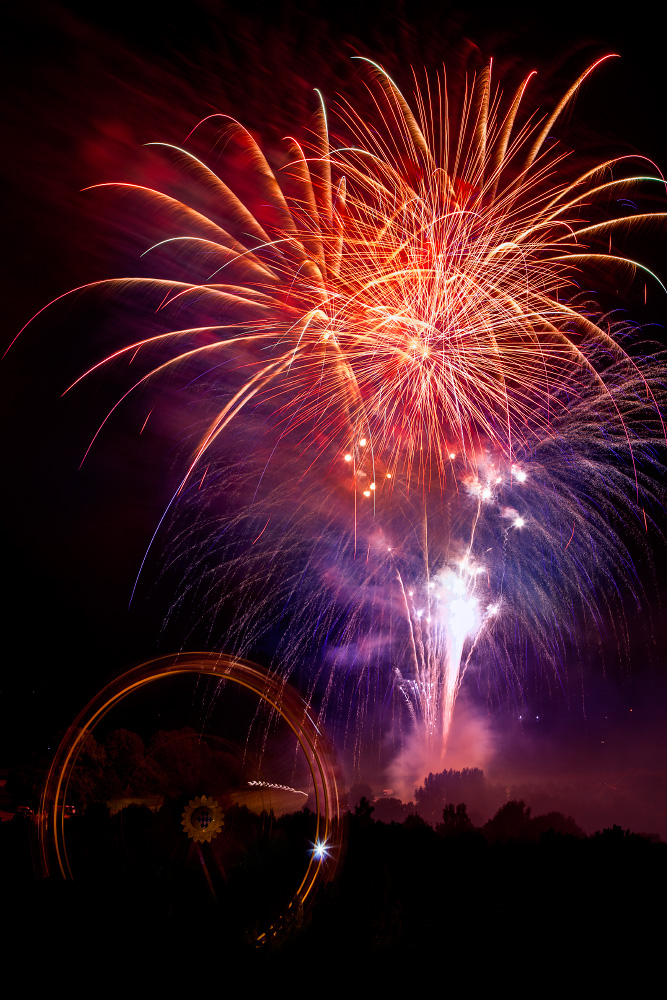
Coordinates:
<point>409,885</point>
<point>517,885</point>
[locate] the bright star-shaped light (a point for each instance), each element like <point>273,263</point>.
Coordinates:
<point>320,850</point>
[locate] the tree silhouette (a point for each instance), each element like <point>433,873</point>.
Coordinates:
<point>508,823</point>
<point>455,821</point>
<point>359,791</point>
<point>391,810</point>
<point>445,787</point>
<point>363,812</point>
<point>552,822</point>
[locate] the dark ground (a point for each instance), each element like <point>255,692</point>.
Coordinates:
<point>406,896</point>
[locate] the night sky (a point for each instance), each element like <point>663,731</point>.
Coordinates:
<point>82,92</point>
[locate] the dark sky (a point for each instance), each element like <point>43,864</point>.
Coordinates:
<point>82,92</point>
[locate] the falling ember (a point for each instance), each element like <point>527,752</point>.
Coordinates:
<point>143,426</point>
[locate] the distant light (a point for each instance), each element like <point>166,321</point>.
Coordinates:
<point>389,475</point>
<point>362,442</point>
<point>367,493</point>
<point>520,475</point>
<point>411,593</point>
<point>519,522</point>
<point>372,486</point>
<point>348,458</point>
<point>498,480</point>
<point>486,493</point>
<point>452,455</point>
<point>320,850</point>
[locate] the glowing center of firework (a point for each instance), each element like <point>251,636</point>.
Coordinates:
<point>458,611</point>
<point>449,616</point>
<point>463,618</point>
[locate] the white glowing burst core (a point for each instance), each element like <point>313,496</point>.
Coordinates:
<point>463,618</point>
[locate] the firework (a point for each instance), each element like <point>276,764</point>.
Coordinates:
<point>394,318</point>
<point>502,570</point>
<point>403,299</point>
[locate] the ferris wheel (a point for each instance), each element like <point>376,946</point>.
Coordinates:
<point>237,811</point>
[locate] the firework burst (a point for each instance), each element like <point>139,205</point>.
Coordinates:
<point>394,317</point>
<point>407,296</point>
<point>504,569</point>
